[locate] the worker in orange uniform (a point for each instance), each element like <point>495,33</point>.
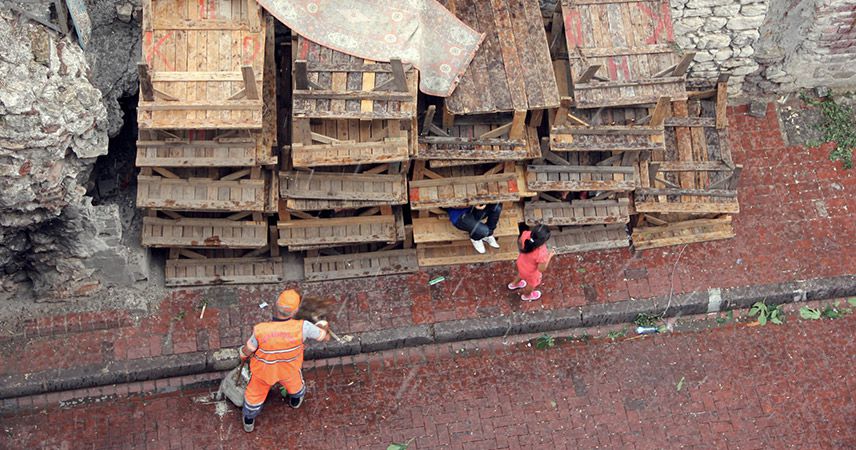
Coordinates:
<point>276,349</point>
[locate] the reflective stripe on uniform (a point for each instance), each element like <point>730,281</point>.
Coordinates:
<point>272,352</point>
<point>277,361</point>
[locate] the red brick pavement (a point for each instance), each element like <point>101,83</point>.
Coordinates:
<point>796,223</point>
<point>761,387</point>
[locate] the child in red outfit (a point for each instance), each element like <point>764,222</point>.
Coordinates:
<point>532,261</point>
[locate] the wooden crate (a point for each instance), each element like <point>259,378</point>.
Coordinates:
<point>333,85</point>
<point>200,194</point>
<point>580,178</point>
<point>197,272</point>
<point>360,265</point>
<point>630,46</point>
<point>439,229</point>
<point>588,238</point>
<point>204,233</point>
<point>577,212</point>
<point>511,71</point>
<point>463,191</point>
<point>462,252</point>
<point>366,189</point>
<point>203,66</point>
<point>686,232</point>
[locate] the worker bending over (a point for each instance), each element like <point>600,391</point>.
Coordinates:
<point>276,348</point>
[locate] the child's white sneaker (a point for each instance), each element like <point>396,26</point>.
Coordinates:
<point>491,241</point>
<point>479,245</point>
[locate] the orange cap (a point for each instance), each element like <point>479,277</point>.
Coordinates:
<point>288,301</point>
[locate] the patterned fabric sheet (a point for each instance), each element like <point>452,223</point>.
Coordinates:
<point>420,32</point>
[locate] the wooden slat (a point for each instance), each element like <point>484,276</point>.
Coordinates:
<point>350,153</point>
<point>588,238</point>
<point>462,252</point>
<point>580,178</point>
<point>360,265</point>
<point>458,192</point>
<point>195,154</point>
<point>686,232</point>
<point>217,271</point>
<point>581,212</point>
<point>198,194</point>
<point>344,230</point>
<point>203,233</point>
<point>389,189</point>
<point>512,68</point>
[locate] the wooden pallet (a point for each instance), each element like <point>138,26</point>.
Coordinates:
<point>577,212</point>
<point>440,229</point>
<point>204,233</point>
<point>463,191</point>
<point>360,265</point>
<point>351,142</point>
<point>462,252</point>
<point>565,138</point>
<point>197,272</point>
<point>511,70</point>
<point>200,194</point>
<point>364,189</point>
<point>203,67</point>
<point>473,139</point>
<point>629,45</point>
<point>301,234</point>
<point>695,172</point>
<point>234,152</point>
<point>580,178</point>
<point>329,84</point>
<point>589,238</point>
<point>686,232</point>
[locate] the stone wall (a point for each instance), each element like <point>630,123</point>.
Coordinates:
<point>53,126</point>
<point>723,33</point>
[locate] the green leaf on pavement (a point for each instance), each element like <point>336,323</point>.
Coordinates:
<point>680,384</point>
<point>395,446</point>
<point>851,301</point>
<point>762,319</point>
<point>809,313</point>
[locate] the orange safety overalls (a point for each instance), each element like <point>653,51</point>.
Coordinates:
<point>279,358</point>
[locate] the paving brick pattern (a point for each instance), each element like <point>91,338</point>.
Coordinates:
<point>796,223</point>
<point>744,387</point>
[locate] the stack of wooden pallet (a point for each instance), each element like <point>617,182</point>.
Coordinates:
<point>619,76</point>
<point>471,153</point>
<point>689,190</point>
<point>205,140</point>
<point>342,195</point>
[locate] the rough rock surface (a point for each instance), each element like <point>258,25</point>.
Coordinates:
<point>113,52</point>
<point>53,126</point>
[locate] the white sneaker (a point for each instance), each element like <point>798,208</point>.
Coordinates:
<point>479,245</point>
<point>491,241</point>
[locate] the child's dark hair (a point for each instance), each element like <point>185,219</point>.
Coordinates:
<point>539,236</point>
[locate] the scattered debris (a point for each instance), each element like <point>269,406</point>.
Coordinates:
<point>436,280</point>
<point>680,384</point>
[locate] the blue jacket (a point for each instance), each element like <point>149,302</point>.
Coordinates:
<point>456,213</point>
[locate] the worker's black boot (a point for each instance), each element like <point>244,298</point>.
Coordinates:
<point>295,402</point>
<point>249,424</point>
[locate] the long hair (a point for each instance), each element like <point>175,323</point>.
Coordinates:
<point>538,237</point>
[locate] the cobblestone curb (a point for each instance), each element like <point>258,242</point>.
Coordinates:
<point>712,300</point>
